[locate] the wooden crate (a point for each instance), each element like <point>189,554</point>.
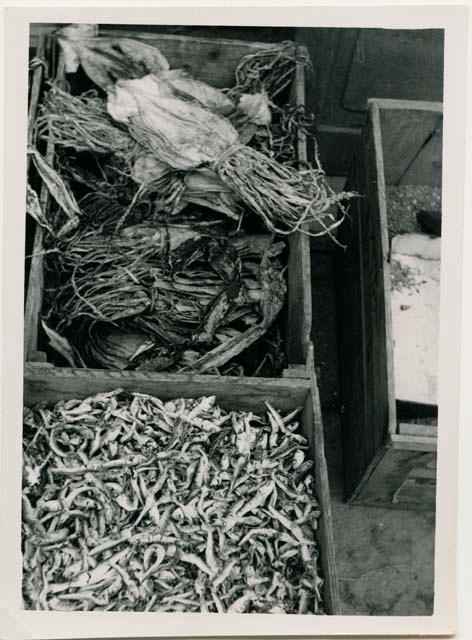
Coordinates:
<point>39,51</point>
<point>389,455</point>
<point>213,61</point>
<point>44,384</point>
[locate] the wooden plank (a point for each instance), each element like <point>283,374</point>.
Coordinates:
<point>34,95</point>
<point>212,60</point>
<point>298,96</point>
<point>372,393</point>
<point>427,167</point>
<point>404,132</point>
<point>407,429</point>
<point>412,493</point>
<point>312,427</point>
<point>388,476</point>
<point>414,443</point>
<point>334,83</point>
<point>419,487</point>
<point>50,385</point>
<point>370,432</point>
<point>401,105</point>
<point>364,313</point>
<point>33,297</point>
<point>35,287</point>
<point>299,318</point>
<point>384,308</point>
<point>396,63</point>
<point>36,86</point>
<point>296,371</point>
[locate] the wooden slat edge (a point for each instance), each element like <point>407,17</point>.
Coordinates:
<point>141,35</point>
<point>137,376</point>
<point>34,296</point>
<point>29,337</point>
<point>43,383</point>
<point>35,92</point>
<point>299,316</point>
<point>355,497</point>
<point>414,443</point>
<point>382,195</point>
<point>408,429</point>
<point>419,105</point>
<point>305,255</point>
<point>328,552</point>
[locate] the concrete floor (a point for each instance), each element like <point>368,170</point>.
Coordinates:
<point>385,557</point>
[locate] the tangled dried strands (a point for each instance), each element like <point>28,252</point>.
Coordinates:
<point>162,272</point>
<point>100,278</point>
<point>82,123</point>
<point>190,137</point>
<point>285,199</point>
<point>279,139</point>
<point>114,294</point>
<point>271,70</point>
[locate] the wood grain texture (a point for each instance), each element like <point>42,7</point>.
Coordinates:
<point>363,311</point>
<point>299,318</point>
<point>402,105</point>
<point>396,63</point>
<point>406,429</point>
<point>377,197</point>
<point>414,442</point>
<point>212,60</point>
<point>322,45</point>
<point>35,286</point>
<point>426,168</point>
<point>370,429</point>
<point>51,384</point>
<point>36,86</point>
<point>337,47</point>
<point>37,81</point>
<point>404,133</point>
<point>388,476</point>
<point>419,487</point>
<point>312,426</point>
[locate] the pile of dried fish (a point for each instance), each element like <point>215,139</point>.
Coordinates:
<point>131,503</point>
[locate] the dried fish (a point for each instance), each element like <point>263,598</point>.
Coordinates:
<point>194,508</point>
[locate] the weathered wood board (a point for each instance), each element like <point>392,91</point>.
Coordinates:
<point>44,383</point>
<point>402,140</point>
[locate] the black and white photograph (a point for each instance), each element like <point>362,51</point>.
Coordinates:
<point>232,256</point>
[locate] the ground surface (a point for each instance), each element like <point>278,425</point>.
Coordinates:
<point>385,557</point>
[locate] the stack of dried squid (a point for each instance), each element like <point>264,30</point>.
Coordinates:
<point>134,504</point>
<point>169,200</point>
